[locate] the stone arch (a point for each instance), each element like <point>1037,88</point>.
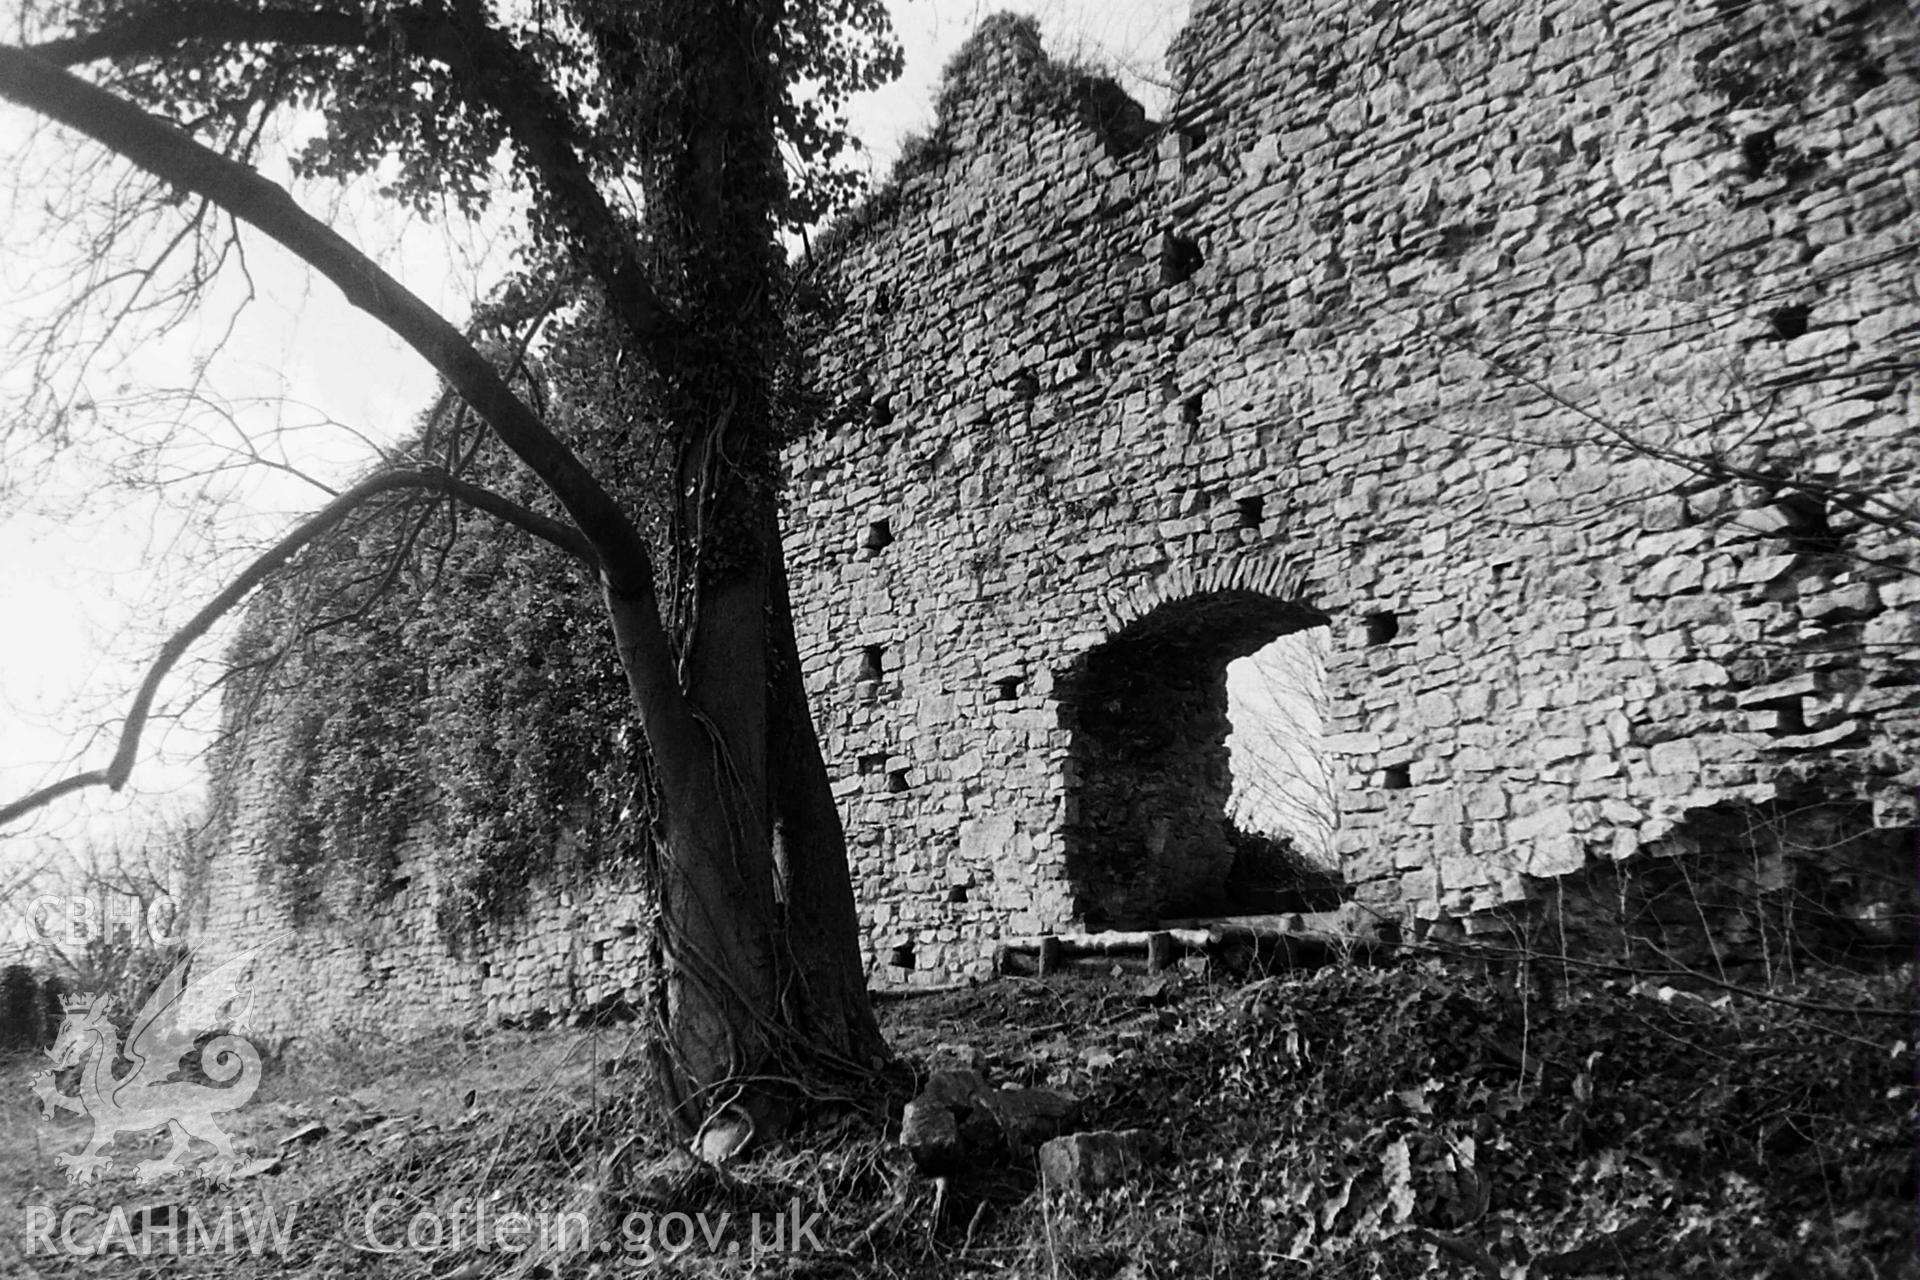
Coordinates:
<point>1248,573</point>
<point>1147,775</point>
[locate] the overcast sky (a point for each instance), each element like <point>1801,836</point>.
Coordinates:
<point>90,571</point>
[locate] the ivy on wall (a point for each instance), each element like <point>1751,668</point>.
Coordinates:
<point>428,689</point>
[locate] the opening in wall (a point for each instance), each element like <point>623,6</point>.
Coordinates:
<point>1180,257</point>
<point>1809,526</point>
<point>1396,777</point>
<point>1790,322</point>
<point>1382,626</point>
<point>873,661</point>
<point>879,536</point>
<point>1788,719</point>
<point>1252,511</point>
<point>1006,689</point>
<point>1197,772</point>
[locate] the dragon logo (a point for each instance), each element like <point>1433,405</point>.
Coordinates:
<point>147,1096</point>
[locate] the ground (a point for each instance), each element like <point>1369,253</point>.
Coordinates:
<point>1409,1120</point>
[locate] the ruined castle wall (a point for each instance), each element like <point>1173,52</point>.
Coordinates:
<point>384,968</point>
<point>1509,342</point>
<point>1516,344</point>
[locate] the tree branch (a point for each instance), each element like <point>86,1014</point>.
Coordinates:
<point>1868,506</point>
<point>148,34</point>
<point>486,62</point>
<point>115,775</point>
<point>172,156</point>
<point>506,510</point>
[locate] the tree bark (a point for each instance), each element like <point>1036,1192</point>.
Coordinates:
<point>828,1002</point>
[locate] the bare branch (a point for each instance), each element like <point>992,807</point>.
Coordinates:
<point>130,267</point>
<point>115,775</point>
<point>172,156</point>
<point>485,59</point>
<point>1868,506</point>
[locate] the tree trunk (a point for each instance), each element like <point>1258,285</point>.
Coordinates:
<point>760,980</point>
<point>829,1004</point>
<point>717,954</point>
<point>761,972</point>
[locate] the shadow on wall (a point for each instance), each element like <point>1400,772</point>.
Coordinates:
<point>1149,775</point>
<point>1741,891</point>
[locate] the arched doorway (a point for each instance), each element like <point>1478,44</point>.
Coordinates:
<point>1149,776</point>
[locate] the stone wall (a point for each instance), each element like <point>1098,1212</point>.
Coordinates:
<point>1550,353</point>
<point>386,967</point>
<point>1514,343</point>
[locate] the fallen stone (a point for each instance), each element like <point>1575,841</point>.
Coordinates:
<point>1085,1163</point>
<point>1028,1117</point>
<point>931,1136</point>
<point>1160,990</point>
<point>954,1087</point>
<point>311,1132</point>
<point>392,1129</point>
<point>723,1137</point>
<point>258,1168</point>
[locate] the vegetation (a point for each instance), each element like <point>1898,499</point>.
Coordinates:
<point>418,684</point>
<point>1404,1122</point>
